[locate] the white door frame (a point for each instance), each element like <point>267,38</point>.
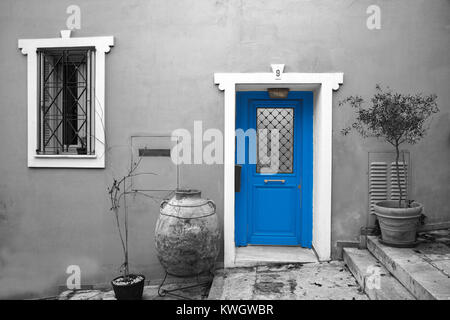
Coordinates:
<point>323,85</point>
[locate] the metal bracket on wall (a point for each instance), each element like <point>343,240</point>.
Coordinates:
<point>154,152</point>
<point>151,151</point>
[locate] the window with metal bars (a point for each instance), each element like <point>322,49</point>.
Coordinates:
<point>66,101</point>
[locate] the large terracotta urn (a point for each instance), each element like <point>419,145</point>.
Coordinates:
<point>187,234</point>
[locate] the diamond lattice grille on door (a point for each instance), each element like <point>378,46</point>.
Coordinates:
<point>267,120</point>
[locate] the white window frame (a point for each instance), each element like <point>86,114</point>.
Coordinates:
<point>29,47</point>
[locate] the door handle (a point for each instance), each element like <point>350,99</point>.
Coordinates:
<point>274,180</point>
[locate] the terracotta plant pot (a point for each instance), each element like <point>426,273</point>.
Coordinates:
<point>398,225</point>
<point>129,291</point>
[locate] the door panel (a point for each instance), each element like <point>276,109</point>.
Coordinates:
<point>271,214</point>
<point>274,206</point>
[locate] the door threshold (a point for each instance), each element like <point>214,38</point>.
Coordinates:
<point>251,256</point>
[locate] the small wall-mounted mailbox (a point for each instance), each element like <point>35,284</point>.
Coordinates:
<point>154,152</point>
<point>278,93</point>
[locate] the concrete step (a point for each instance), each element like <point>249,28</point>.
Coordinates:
<point>252,256</point>
<point>375,280</point>
<point>233,284</point>
<point>419,273</point>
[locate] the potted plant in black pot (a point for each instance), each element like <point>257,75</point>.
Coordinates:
<point>127,286</point>
<point>397,119</point>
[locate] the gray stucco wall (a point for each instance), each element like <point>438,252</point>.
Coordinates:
<point>159,77</point>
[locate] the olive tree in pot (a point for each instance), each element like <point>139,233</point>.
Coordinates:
<point>397,119</point>
<point>127,286</point>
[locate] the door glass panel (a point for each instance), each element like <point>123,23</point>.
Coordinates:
<point>268,122</point>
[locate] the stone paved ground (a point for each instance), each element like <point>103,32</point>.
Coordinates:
<point>150,291</point>
<point>308,281</point>
<point>328,280</point>
<point>312,281</point>
<point>434,248</point>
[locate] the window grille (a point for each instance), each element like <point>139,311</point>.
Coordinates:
<point>66,101</point>
<point>281,119</point>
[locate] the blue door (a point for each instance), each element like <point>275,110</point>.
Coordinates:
<point>274,198</point>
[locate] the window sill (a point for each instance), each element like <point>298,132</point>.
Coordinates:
<point>66,161</point>
<point>65,156</point>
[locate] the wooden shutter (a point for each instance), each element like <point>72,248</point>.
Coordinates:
<point>378,182</point>
<point>403,175</point>
<point>383,177</point>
